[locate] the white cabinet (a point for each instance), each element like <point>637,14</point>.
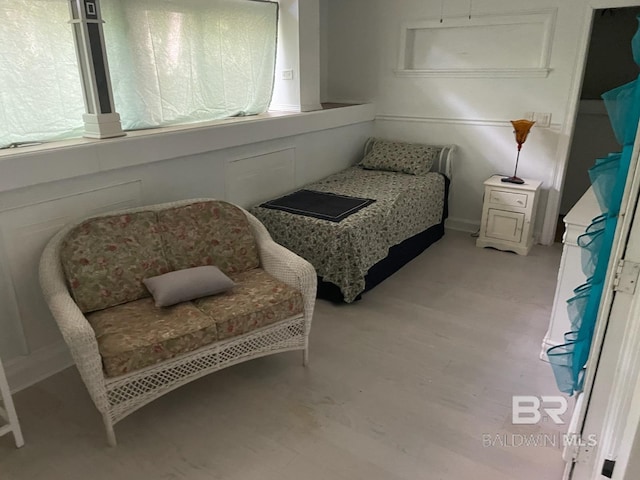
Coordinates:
<point>508,215</point>
<point>570,274</point>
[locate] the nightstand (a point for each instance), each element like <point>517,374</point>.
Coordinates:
<point>508,215</point>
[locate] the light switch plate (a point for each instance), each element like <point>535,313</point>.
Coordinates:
<point>542,119</point>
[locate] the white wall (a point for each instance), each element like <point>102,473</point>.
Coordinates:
<point>298,52</point>
<point>470,112</point>
<point>324,50</point>
<point>41,190</point>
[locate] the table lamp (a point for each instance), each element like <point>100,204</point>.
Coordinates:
<point>522,128</point>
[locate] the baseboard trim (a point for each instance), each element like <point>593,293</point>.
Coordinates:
<point>27,370</point>
<point>462,225</point>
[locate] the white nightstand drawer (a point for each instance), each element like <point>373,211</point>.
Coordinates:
<point>504,225</point>
<point>508,198</point>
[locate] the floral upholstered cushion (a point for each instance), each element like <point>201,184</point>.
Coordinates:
<point>257,300</point>
<point>105,259</point>
<point>400,157</point>
<point>139,334</point>
<point>208,233</point>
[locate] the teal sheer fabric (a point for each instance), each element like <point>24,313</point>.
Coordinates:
<point>608,177</point>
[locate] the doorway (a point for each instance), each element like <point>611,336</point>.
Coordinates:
<point>609,65</point>
<point>601,415</point>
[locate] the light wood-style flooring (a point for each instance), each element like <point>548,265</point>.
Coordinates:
<point>405,384</point>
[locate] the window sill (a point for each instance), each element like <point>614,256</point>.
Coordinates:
<point>55,161</point>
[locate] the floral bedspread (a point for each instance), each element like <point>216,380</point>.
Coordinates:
<point>342,253</point>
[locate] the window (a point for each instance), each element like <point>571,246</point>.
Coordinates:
<point>40,91</point>
<point>170,61</point>
<point>191,60</point>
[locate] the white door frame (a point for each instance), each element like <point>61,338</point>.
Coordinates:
<point>613,368</point>
<point>568,129</point>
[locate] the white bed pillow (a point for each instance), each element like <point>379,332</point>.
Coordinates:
<point>402,157</point>
<point>187,284</point>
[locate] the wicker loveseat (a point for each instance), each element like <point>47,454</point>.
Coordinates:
<point>130,352</point>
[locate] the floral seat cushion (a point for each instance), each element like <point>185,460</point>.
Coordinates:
<point>257,300</point>
<point>139,334</point>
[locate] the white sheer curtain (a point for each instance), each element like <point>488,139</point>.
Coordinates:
<point>40,92</point>
<point>184,61</point>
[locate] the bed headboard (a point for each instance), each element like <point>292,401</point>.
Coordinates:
<point>443,163</point>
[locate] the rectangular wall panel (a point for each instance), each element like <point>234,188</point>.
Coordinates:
<point>252,180</point>
<point>476,46</point>
<point>24,232</point>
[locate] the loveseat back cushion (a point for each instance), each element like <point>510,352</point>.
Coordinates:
<point>208,233</point>
<point>105,259</point>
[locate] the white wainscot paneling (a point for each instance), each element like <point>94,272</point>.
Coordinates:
<point>26,323</point>
<point>483,46</point>
<point>252,180</point>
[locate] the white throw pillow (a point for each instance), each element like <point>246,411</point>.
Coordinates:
<point>187,284</point>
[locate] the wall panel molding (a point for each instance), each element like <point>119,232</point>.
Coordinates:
<point>477,73</point>
<point>24,232</point>
<point>492,46</point>
<point>251,180</point>
<point>449,120</point>
<point>24,371</point>
<point>442,120</point>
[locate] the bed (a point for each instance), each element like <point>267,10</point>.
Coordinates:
<point>393,216</point>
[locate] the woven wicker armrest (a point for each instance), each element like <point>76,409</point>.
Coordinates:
<point>75,328</point>
<point>285,265</point>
